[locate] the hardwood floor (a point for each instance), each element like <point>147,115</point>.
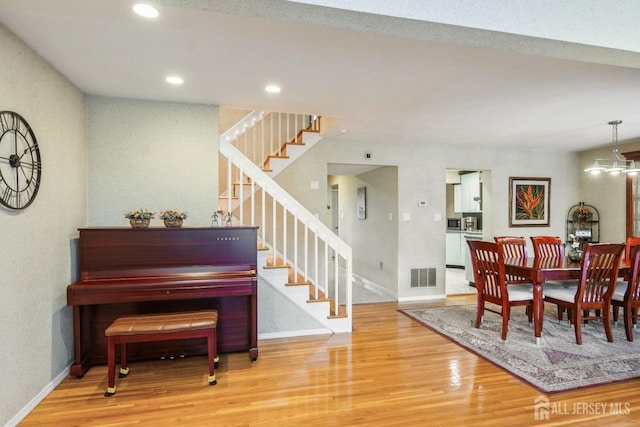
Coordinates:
<point>390,371</point>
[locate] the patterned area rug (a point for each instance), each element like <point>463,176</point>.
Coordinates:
<point>558,364</point>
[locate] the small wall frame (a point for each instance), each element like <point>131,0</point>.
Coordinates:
<point>361,203</point>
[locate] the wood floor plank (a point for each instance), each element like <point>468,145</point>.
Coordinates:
<point>388,371</point>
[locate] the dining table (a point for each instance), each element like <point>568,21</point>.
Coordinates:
<point>539,270</point>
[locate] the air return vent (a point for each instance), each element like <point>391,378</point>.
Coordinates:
<point>423,277</point>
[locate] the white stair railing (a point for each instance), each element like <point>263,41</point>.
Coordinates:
<point>261,135</point>
<point>289,231</point>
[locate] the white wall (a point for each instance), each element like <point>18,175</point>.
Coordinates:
<point>422,176</point>
<point>36,253</point>
<point>152,155</point>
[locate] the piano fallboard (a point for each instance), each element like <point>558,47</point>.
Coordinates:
<point>113,291</point>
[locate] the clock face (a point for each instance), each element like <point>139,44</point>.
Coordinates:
<point>20,167</point>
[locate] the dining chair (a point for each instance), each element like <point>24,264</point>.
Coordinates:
<point>550,250</point>
<point>489,273</point>
<point>631,241</point>
<point>627,295</point>
<point>629,244</point>
<point>513,247</point>
<point>547,246</point>
<point>598,275</point>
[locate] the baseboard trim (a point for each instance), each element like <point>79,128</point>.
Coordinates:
<point>374,287</point>
<point>423,298</point>
<point>289,334</point>
<point>38,398</point>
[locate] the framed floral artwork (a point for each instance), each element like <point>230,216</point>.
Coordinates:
<point>529,202</point>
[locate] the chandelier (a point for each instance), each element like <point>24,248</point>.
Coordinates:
<point>617,164</point>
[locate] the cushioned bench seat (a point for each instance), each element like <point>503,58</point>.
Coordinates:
<point>159,327</point>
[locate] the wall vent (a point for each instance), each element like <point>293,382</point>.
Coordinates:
<point>423,277</point>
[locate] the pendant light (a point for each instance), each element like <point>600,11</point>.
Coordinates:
<point>617,164</point>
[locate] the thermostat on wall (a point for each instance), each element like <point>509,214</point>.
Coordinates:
<point>422,203</point>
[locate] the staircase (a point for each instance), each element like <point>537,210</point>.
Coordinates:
<point>298,255</point>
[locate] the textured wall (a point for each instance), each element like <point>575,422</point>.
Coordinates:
<point>422,176</point>
<point>36,253</point>
<point>152,155</point>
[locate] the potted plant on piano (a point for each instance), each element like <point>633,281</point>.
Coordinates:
<point>140,218</point>
<point>173,218</point>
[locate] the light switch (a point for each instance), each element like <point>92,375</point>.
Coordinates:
<point>315,185</point>
<point>437,217</point>
<point>406,216</point>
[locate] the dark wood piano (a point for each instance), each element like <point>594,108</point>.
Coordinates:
<point>159,270</point>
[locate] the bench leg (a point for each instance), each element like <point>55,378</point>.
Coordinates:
<point>212,355</point>
<point>111,367</point>
<point>124,370</point>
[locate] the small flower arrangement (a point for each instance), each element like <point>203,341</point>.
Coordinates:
<point>140,214</point>
<point>582,213</point>
<point>172,215</point>
<point>575,244</point>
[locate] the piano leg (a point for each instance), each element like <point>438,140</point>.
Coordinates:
<point>81,341</point>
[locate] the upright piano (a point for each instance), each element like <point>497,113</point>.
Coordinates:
<point>126,271</point>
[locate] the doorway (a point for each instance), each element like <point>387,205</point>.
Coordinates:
<point>468,206</point>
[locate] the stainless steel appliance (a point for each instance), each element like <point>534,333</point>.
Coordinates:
<point>470,223</point>
<point>454,223</point>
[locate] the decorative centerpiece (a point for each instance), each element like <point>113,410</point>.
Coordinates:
<point>140,218</point>
<point>173,218</point>
<point>575,253</point>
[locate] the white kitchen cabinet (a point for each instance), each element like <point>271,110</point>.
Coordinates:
<point>468,267</point>
<point>470,192</point>
<point>453,249</point>
<point>457,198</point>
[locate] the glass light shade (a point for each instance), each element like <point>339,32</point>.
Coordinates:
<point>595,168</point>
<point>633,168</point>
<point>615,169</point>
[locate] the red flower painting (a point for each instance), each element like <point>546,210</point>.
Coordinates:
<point>530,202</point>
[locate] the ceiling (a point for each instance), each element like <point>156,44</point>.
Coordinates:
<point>386,79</point>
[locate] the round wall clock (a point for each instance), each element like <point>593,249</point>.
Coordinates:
<point>20,166</point>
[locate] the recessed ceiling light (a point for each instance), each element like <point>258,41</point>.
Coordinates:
<point>145,10</point>
<point>174,80</point>
<point>272,89</point>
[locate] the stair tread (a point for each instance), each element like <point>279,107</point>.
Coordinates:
<point>319,300</point>
<point>277,266</point>
<point>337,316</point>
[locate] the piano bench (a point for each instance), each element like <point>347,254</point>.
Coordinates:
<point>159,327</point>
